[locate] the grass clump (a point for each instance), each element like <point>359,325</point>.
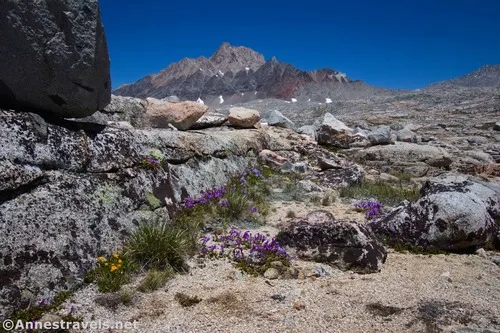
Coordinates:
<point>155,280</point>
<point>387,194</point>
<point>159,245</point>
<point>185,300</point>
<point>126,297</point>
<point>291,214</point>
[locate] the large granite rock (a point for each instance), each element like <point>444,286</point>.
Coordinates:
<point>243,117</point>
<point>181,115</point>
<point>380,136</point>
<point>54,57</point>
<point>120,109</point>
<point>333,132</point>
<point>346,245</point>
<point>411,158</point>
<point>276,118</point>
<point>453,213</point>
<point>210,119</point>
<point>72,191</point>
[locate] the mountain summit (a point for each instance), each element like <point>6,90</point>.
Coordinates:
<point>235,74</point>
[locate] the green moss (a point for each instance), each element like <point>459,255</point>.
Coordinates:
<point>107,196</point>
<point>153,201</point>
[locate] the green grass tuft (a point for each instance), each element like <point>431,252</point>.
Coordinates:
<point>159,245</point>
<point>155,280</point>
<point>384,192</point>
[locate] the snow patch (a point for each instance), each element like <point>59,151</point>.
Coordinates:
<point>247,69</point>
<point>328,101</point>
<point>199,100</point>
<point>221,100</point>
<point>255,93</point>
<point>309,100</point>
<point>201,69</point>
<point>242,94</point>
<point>221,74</point>
<point>294,100</point>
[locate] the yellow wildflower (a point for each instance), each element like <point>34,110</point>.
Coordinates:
<point>116,255</point>
<point>120,261</point>
<point>101,259</point>
<point>113,268</point>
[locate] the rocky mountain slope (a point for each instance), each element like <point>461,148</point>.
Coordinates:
<point>239,74</point>
<point>486,76</point>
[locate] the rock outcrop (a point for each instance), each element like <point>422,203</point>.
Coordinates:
<point>417,160</point>
<point>453,213</point>
<point>346,245</point>
<point>72,191</point>
<point>54,59</point>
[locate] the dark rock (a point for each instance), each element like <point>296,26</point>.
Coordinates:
<point>326,164</point>
<point>54,57</point>
<point>346,245</point>
<point>453,213</point>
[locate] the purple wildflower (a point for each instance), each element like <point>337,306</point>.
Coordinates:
<point>372,209</point>
<point>257,173</point>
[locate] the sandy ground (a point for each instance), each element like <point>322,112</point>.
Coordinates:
<point>412,293</point>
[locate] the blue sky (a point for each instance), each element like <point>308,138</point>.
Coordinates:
<point>396,44</point>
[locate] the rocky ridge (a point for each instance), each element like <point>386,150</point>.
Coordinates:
<point>238,74</point>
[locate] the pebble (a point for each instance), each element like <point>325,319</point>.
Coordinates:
<point>496,260</point>
<point>271,273</point>
<point>482,253</point>
<point>299,306</point>
<point>278,297</point>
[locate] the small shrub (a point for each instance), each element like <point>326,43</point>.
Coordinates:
<point>186,300</point>
<point>385,193</point>
<point>112,272</point>
<point>291,214</point>
<point>154,280</point>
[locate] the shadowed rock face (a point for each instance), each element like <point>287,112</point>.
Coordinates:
<point>453,213</point>
<point>347,245</point>
<point>55,59</point>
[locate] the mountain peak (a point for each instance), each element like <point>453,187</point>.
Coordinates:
<point>236,58</point>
